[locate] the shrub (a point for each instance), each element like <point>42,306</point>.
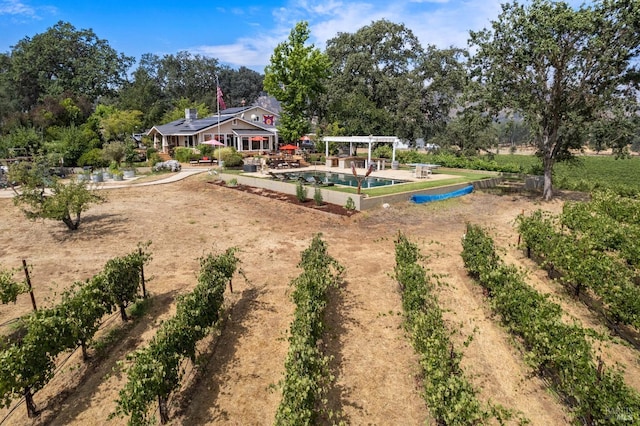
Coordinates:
<point>93,157</point>
<point>184,155</point>
<point>317,197</point>
<point>350,205</point>
<point>153,158</point>
<point>230,156</point>
<point>383,151</point>
<point>301,192</point>
<point>206,150</point>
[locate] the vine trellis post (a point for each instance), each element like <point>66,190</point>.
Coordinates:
<point>28,279</point>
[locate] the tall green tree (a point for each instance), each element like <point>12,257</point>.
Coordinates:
<point>384,82</point>
<point>296,76</point>
<point>560,67</point>
<point>185,75</point>
<point>373,68</point>
<point>8,98</point>
<point>240,87</point>
<point>177,112</point>
<point>71,142</point>
<point>65,59</point>
<point>21,141</point>
<point>144,93</point>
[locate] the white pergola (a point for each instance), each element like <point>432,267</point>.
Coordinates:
<point>369,140</point>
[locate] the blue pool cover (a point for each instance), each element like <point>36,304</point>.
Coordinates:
<point>421,199</point>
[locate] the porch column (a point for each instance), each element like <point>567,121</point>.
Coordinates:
<point>165,144</point>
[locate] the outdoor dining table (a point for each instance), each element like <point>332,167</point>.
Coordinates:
<point>423,170</point>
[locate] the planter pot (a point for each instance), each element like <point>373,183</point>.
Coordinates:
<point>118,177</point>
<point>107,175</point>
<point>128,174</point>
<point>83,178</point>
<point>97,177</point>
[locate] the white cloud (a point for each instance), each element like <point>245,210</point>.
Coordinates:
<point>251,53</point>
<point>16,7</point>
<point>442,23</point>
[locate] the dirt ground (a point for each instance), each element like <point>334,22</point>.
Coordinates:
<point>377,373</point>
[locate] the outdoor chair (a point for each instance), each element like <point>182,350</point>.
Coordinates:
<point>290,176</point>
<point>319,181</point>
<point>307,180</point>
<point>277,176</point>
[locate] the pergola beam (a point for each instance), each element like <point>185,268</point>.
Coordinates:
<point>370,140</point>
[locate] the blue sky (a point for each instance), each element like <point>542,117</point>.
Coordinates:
<point>239,33</point>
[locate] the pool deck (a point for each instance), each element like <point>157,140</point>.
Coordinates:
<point>362,201</point>
<point>398,174</point>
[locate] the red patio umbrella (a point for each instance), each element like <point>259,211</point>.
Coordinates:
<point>258,138</point>
<point>288,147</point>
<point>213,142</point>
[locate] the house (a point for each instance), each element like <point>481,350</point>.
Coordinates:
<point>249,129</point>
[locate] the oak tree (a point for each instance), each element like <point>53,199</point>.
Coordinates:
<point>561,68</point>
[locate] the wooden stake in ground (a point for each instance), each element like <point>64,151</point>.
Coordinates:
<point>26,274</point>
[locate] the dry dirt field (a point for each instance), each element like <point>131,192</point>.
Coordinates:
<point>377,373</point>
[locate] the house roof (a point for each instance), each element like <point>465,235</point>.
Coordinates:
<point>236,110</point>
<point>186,127</point>
<point>190,127</point>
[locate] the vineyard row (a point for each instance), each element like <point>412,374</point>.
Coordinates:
<point>558,351</point>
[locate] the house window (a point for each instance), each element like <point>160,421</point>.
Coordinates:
<point>245,144</point>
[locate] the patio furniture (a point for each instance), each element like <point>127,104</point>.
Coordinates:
<point>307,180</point>
<point>290,176</point>
<point>320,182</point>
<point>277,176</point>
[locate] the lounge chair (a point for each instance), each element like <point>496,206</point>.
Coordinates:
<point>277,176</point>
<point>307,180</point>
<point>290,176</point>
<point>319,181</point>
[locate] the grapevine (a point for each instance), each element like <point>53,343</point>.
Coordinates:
<point>9,288</point>
<point>28,365</point>
<point>581,263</point>
<point>557,350</point>
<point>449,395</point>
<point>306,367</point>
<point>154,372</point>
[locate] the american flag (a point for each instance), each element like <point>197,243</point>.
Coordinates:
<point>221,103</point>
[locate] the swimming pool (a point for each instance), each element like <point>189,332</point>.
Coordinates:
<point>347,179</point>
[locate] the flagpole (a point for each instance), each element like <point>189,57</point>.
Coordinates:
<point>218,108</point>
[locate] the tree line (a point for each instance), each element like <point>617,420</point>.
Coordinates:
<point>544,73</point>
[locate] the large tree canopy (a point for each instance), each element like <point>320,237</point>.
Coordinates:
<point>561,68</point>
<point>375,79</point>
<point>64,59</point>
<point>385,83</point>
<point>296,76</point>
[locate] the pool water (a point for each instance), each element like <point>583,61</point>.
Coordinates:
<point>347,179</point>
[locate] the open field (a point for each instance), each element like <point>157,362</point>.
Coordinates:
<point>377,372</point>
